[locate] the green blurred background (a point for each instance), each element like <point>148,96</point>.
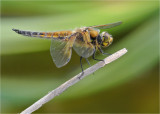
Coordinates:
<point>128,85</point>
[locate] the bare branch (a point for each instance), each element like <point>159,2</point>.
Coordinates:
<point>72,81</point>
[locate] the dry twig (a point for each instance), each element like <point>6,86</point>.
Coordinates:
<point>72,81</point>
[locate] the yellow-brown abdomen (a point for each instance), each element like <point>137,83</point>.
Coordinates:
<point>61,34</point>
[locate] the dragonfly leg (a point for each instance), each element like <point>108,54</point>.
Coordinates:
<point>103,52</point>
<point>93,56</point>
<point>81,63</point>
<point>88,61</point>
<point>81,67</point>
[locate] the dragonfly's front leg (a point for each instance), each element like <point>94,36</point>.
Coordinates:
<point>93,56</point>
<point>99,48</point>
<point>88,62</point>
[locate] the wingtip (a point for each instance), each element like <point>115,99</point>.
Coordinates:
<point>120,22</point>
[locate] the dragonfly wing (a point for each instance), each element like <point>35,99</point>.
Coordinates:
<point>82,47</point>
<point>107,25</point>
<point>61,50</point>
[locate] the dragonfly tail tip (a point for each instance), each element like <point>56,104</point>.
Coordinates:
<point>16,30</point>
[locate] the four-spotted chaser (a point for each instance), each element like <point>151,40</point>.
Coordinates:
<point>85,41</point>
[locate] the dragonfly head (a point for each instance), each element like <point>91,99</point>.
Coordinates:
<point>107,39</point>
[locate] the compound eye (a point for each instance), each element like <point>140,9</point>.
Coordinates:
<point>105,38</point>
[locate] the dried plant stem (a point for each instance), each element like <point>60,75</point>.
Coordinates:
<point>72,81</point>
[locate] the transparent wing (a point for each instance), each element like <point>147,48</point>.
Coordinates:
<point>83,46</point>
<point>61,50</point>
<point>107,25</point>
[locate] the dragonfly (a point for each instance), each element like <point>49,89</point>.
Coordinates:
<point>85,41</point>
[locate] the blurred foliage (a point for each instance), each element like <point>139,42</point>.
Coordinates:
<point>28,72</point>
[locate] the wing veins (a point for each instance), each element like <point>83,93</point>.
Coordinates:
<point>107,25</point>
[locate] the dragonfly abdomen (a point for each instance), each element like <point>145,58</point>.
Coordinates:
<point>59,35</point>
<point>29,33</point>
